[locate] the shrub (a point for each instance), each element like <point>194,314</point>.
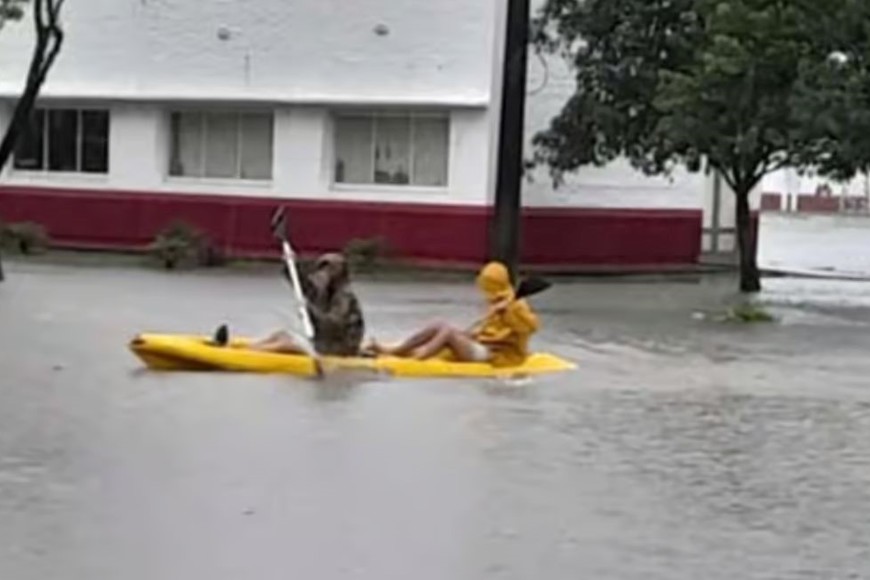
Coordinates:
<point>181,244</point>
<point>210,255</point>
<point>26,237</point>
<point>365,253</point>
<point>749,313</point>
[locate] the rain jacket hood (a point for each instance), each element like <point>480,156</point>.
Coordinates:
<point>505,333</point>
<point>495,282</point>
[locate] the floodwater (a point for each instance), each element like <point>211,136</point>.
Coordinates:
<point>680,449</point>
<point>815,244</point>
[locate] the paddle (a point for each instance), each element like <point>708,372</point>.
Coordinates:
<point>531,286</point>
<point>527,287</point>
<point>279,230</point>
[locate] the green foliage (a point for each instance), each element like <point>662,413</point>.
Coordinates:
<point>180,244</point>
<point>748,313</point>
<point>832,100</point>
<point>25,237</point>
<point>745,86</point>
<point>668,82</point>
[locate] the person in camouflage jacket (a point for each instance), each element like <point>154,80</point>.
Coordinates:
<point>335,313</point>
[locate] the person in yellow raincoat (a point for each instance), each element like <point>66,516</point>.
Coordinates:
<point>501,338</point>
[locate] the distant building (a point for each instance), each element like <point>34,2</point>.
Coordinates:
<point>371,118</point>
<point>788,190</point>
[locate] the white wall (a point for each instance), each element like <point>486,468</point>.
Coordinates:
<point>5,115</point>
<point>302,162</point>
<point>495,101</point>
<point>789,181</point>
<point>720,222</point>
<point>316,54</point>
<point>280,50</point>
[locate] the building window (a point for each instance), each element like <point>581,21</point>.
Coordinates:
<point>392,149</point>
<point>221,145</point>
<point>70,140</point>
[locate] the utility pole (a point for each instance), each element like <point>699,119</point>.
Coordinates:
<point>2,276</point>
<point>505,227</point>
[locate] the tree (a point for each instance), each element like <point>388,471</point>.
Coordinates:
<point>49,38</point>
<point>739,86</point>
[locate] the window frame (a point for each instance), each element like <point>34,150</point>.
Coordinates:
<point>78,173</point>
<point>372,116</point>
<point>202,113</point>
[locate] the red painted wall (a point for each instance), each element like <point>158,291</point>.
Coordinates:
<point>771,202</point>
<point>818,204</point>
<point>611,237</point>
<point>558,238</point>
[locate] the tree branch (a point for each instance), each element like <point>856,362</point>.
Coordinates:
<point>54,11</point>
<point>48,42</point>
<point>38,18</point>
<point>57,41</point>
<point>727,175</point>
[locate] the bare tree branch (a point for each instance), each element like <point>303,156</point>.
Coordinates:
<point>55,10</point>
<point>48,43</point>
<point>38,18</point>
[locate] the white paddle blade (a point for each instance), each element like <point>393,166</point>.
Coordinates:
<point>300,338</point>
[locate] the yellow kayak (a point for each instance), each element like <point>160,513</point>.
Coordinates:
<point>175,352</point>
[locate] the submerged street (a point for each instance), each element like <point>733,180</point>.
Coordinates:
<point>681,449</point>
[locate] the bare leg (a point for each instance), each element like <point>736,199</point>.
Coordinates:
<point>278,342</point>
<point>269,340</point>
<point>462,346</point>
<point>414,341</point>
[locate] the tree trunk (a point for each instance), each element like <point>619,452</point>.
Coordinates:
<point>49,38</point>
<point>750,277</point>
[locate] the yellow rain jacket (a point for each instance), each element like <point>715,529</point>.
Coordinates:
<point>506,334</point>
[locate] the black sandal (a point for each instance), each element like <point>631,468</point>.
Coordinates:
<point>221,336</point>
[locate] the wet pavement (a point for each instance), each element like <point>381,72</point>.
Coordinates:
<point>680,449</point>
<point>830,245</point>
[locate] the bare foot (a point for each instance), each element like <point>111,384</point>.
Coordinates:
<point>374,348</point>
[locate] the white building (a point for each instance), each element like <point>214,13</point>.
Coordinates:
<point>371,118</point>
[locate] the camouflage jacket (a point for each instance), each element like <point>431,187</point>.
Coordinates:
<point>337,318</point>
